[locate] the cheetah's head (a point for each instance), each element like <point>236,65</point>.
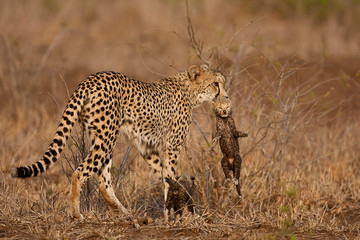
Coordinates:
<point>206,84</point>
<point>222,106</point>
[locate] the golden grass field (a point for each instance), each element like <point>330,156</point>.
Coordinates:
<point>293,75</point>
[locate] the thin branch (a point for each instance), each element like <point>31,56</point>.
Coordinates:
<point>196,45</point>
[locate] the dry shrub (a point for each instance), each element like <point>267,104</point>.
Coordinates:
<point>292,87</point>
<point>285,162</point>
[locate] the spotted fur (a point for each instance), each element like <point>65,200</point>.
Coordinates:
<point>228,135</point>
<point>155,117</point>
<point>180,195</point>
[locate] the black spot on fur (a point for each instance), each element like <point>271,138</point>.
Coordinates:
<point>40,166</point>
<point>46,160</point>
<point>21,172</point>
<point>53,152</point>
<point>36,171</point>
<point>30,171</point>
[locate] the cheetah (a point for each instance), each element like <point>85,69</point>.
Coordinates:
<point>228,135</point>
<point>155,118</point>
<point>180,195</point>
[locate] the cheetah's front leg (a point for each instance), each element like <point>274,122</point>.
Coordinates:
<point>161,170</point>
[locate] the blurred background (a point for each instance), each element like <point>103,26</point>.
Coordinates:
<point>47,43</point>
<point>293,70</point>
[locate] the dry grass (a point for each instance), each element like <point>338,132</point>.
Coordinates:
<point>294,84</point>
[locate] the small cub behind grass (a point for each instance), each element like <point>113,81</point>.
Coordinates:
<point>180,195</point>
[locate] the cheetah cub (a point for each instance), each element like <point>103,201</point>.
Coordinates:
<point>180,195</point>
<point>228,135</point>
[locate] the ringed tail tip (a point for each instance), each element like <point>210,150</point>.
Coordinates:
<point>20,172</point>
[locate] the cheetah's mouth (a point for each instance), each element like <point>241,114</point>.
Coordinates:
<point>224,115</point>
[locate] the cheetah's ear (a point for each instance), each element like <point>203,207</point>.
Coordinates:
<point>204,67</point>
<point>194,71</point>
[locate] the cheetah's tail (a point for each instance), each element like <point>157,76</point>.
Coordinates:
<point>70,116</point>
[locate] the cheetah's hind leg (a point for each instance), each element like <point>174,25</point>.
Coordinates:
<point>107,190</point>
<point>80,175</point>
<point>236,173</point>
<point>237,185</point>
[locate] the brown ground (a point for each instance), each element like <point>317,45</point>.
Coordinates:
<point>294,80</point>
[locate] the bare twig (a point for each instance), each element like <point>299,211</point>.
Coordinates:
<point>47,53</point>
<point>196,45</point>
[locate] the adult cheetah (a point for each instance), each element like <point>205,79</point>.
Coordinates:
<point>154,116</point>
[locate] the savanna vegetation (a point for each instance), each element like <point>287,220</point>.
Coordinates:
<point>293,76</point>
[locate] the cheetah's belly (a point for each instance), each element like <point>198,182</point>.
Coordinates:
<point>145,141</point>
<point>229,146</point>
<point>231,163</point>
